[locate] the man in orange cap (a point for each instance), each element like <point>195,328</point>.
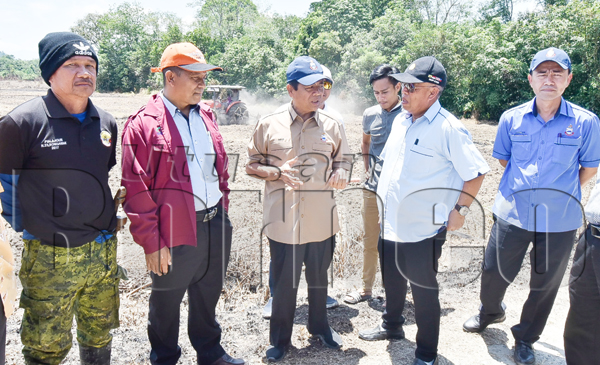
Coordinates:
<point>178,206</point>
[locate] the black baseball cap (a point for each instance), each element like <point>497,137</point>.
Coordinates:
<point>425,69</point>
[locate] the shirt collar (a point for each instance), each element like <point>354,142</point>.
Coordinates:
<point>432,112</point>
<point>398,105</point>
<point>55,109</point>
<point>295,115</point>
<point>564,108</point>
<point>171,107</point>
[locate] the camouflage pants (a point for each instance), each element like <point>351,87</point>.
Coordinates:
<point>59,283</point>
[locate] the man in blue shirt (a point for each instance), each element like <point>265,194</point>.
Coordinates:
<point>548,151</point>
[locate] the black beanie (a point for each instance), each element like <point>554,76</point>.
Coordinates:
<point>58,47</point>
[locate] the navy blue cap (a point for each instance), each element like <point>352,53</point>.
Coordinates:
<point>306,70</point>
<point>424,69</point>
<point>551,54</point>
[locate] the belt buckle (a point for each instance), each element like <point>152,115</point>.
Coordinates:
<point>210,215</point>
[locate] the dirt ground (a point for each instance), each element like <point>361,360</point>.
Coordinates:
<point>245,332</point>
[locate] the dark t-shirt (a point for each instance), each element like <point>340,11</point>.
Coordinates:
<point>63,167</point>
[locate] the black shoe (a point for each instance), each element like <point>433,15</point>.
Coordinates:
<point>379,333</point>
<point>332,340</point>
<point>475,324</point>
<point>275,354</point>
<point>332,303</point>
<point>266,313</point>
<point>422,362</point>
<point>94,355</point>
<point>524,353</point>
<point>228,360</point>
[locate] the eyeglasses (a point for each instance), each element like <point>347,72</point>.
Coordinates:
<point>327,85</point>
<point>411,88</point>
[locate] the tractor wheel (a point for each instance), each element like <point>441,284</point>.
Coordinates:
<point>238,114</point>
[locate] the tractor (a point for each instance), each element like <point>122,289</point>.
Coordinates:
<point>226,104</point>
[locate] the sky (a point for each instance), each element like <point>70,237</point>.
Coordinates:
<point>25,22</point>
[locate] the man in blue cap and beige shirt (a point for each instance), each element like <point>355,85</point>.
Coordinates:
<point>549,149</point>
<point>302,154</point>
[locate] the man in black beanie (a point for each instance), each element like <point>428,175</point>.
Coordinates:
<point>55,155</point>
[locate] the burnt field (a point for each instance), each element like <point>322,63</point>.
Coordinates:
<point>245,332</point>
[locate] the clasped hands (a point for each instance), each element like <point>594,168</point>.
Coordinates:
<point>289,175</point>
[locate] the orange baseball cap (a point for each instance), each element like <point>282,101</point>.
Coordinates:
<point>186,56</point>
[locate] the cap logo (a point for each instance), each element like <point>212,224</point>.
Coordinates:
<point>83,50</point>
<point>105,137</point>
<point>434,79</point>
<point>197,55</point>
<point>551,53</point>
<point>313,66</point>
<point>412,67</point>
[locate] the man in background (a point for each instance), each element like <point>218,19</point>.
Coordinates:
<point>377,124</point>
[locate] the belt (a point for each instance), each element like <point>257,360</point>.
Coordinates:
<point>208,214</point>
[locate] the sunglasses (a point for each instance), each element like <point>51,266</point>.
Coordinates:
<point>411,88</point>
<point>327,85</point>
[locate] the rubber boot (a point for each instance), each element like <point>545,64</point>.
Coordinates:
<point>94,355</point>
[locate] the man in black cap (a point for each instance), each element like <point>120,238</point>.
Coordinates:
<point>430,166</point>
<point>55,155</point>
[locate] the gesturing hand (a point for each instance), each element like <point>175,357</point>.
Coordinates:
<point>288,174</point>
<point>158,262</point>
<point>338,179</point>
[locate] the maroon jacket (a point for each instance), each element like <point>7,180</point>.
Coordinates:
<point>160,200</point>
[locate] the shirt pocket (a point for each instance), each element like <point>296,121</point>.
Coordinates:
<point>420,159</point>
<point>322,147</point>
<point>565,150</point>
<point>521,147</point>
<point>280,152</point>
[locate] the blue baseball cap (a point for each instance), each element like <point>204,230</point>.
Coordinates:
<point>306,70</point>
<point>551,54</point>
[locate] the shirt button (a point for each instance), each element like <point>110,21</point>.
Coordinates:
<point>302,199</point>
<point>302,147</point>
<point>302,216</point>
<point>543,142</point>
<point>532,205</point>
<point>303,130</point>
<point>539,158</point>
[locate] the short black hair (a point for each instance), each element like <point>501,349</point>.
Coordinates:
<point>383,71</point>
<point>174,69</point>
<point>294,84</point>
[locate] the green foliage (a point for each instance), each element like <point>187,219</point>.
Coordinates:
<point>486,57</point>
<point>14,69</point>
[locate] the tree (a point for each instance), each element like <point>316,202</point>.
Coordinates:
<point>225,19</point>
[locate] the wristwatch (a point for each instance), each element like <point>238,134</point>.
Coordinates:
<point>462,209</point>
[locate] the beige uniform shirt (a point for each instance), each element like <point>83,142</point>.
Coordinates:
<point>307,214</point>
<point>8,285</point>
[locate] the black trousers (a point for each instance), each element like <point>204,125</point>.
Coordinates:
<point>417,263</point>
<point>286,266</point>
<point>582,330</point>
<point>200,271</point>
<point>504,255</point>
